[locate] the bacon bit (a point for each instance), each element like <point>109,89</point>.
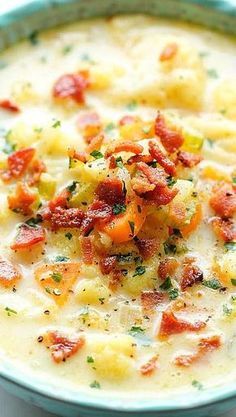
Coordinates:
<point>64,217</point>
<point>98,211</point>
<point>170,324</point>
<point>61,346</point>
<point>9,106</point>
<point>127,120</point>
<point>22,200</point>
<point>35,170</point>
<point>169,52</point>
<point>78,156</point>
<point>72,86</point>
<point>161,196</point>
<point>18,163</point>
<point>112,162</point>
<point>87,249</point>
<point>95,143</point>
<point>61,200</point>
<point>141,185</point>
<point>177,213</point>
<point>188,159</point>
<point>116,279</point>
<point>150,299</point>
<point>224,229</point>
<point>167,268</point>
<point>162,159</point>
<point>155,176</point>
<point>205,345</point>
<point>9,273</point>
<point>90,124</point>
<point>111,191</point>
<point>147,159</point>
<point>28,236</point>
<point>149,367</point>
<point>146,247</point>
<point>223,200</point>
<point>191,275</point>
<point>127,146</point>
<point>170,139</point>
<point>107,264</point>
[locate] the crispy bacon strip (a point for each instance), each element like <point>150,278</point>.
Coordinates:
<point>62,347</point>
<point>111,191</point>
<point>149,367</point>
<point>18,163</point>
<point>167,268</point>
<point>99,211</point>
<point>147,159</point>
<point>72,86</point>
<point>147,247</point>
<point>191,275</point>
<point>150,299</point>
<point>127,146</point>
<point>87,249</point>
<point>162,159</point>
<point>224,229</point>
<point>205,345</point>
<point>188,159</point>
<point>64,217</point>
<point>170,325</point>
<point>170,139</point>
<point>36,168</point>
<point>28,236</point>
<point>78,155</point>
<point>90,124</point>
<point>9,273</point>
<point>223,200</point>
<point>154,176</point>
<point>22,200</point>
<point>169,52</point>
<point>95,143</point>
<point>9,106</point>
<point>61,200</point>
<point>107,264</point>
<point>161,196</point>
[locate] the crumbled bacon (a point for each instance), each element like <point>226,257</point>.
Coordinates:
<point>72,86</point>
<point>61,200</point>
<point>191,275</point>
<point>170,325</point>
<point>147,247</point>
<point>107,264</point>
<point>87,249</point>
<point>35,170</point>
<point>188,159</point>
<point>162,159</point>
<point>18,163</point>
<point>127,146</point>
<point>223,200</point>
<point>90,124</point>
<point>63,347</point>
<point>9,106</point>
<point>28,236</point>
<point>116,279</point>
<point>112,162</point>
<point>161,196</point>
<point>149,367</point>
<point>224,229</point>
<point>64,217</point>
<point>22,200</point>
<point>78,155</point>
<point>148,159</point>
<point>9,273</point>
<point>170,139</point>
<point>167,268</point>
<point>150,299</point>
<point>127,120</point>
<point>169,52</point>
<point>205,345</point>
<point>141,185</point>
<point>154,176</point>
<point>98,211</point>
<point>111,191</point>
<point>95,143</point>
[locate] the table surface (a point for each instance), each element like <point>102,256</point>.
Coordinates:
<point>11,406</point>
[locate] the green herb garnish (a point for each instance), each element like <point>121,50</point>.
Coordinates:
<point>56,276</point>
<point>170,181</point>
<point>119,162</point>
<point>132,105</point>
<point>69,235</point>
<point>173,293</point>
<point>118,209</point>
<point>131,225</point>
<point>233,281</point>
<point>230,246</point>
<point>136,330</point>
<point>226,310</point>
<point>61,258</point>
<point>96,154</point>
<point>95,384</point>
<point>197,384</point>
<point>139,270</point>
<point>34,221</point>
<point>211,72</point>
<point>166,285</point>
<point>57,123</point>
<point>214,283</point>
<point>90,359</point>
<point>71,187</point>
<point>10,311</point>
<point>33,38</point>
<point>67,49</point>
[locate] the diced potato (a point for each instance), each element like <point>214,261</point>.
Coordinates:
<point>93,171</point>
<point>47,185</point>
<point>183,201</point>
<point>226,265</point>
<point>23,92</point>
<point>193,141</point>
<point>225,98</point>
<point>92,291</point>
<point>113,356</point>
<point>135,285</point>
<point>23,134</point>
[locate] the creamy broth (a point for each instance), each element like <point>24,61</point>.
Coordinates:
<point>133,66</point>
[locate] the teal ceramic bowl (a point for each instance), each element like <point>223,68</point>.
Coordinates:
<point>17,21</point>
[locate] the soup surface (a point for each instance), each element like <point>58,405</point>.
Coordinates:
<point>117,208</point>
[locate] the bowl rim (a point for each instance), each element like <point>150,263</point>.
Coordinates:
<point>33,384</point>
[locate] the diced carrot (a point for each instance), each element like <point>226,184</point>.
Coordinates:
<point>124,227</point>
<point>9,273</point>
<point>195,221</point>
<point>57,279</point>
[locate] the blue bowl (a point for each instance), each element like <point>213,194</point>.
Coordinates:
<point>18,22</point>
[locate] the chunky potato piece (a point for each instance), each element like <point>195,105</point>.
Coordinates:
<point>226,264</point>
<point>225,98</point>
<point>92,291</point>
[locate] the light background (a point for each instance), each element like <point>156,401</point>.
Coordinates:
<point>9,405</point>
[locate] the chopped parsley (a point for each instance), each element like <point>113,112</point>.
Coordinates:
<point>124,258</point>
<point>131,225</point>
<point>109,127</point>
<point>68,235</point>
<point>34,221</point>
<point>210,142</point>
<point>67,49</point>
<point>234,180</point>
<point>95,384</point>
<point>132,105</point>
<point>197,384</point>
<point>136,330</point>
<point>71,187</point>
<point>118,209</point>
<point>170,181</point>
<point>230,246</point>
<point>8,147</point>
<point>140,270</point>
<point>233,281</point>
<point>57,123</point>
<point>10,311</point>
<point>61,258</point>
<point>166,285</point>
<point>119,162</point>
<point>227,310</point>
<point>96,154</point>
<point>173,293</point>
<point>90,359</point>
<point>33,38</point>
<point>56,276</point>
<point>213,283</point>
<point>169,247</point>
<point>146,129</point>
<point>212,73</point>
